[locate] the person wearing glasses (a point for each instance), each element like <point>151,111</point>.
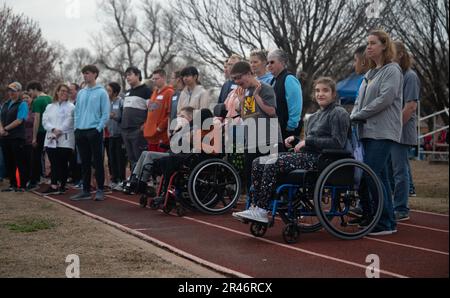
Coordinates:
<point>288,92</point>
<point>59,138</point>
<point>256,101</point>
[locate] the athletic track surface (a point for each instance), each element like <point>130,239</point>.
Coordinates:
<point>420,248</point>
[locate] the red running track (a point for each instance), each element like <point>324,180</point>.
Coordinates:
<point>419,249</point>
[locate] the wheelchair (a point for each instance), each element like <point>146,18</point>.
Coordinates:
<point>212,186</point>
<point>307,201</point>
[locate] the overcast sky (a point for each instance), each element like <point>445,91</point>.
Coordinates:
<point>70,22</point>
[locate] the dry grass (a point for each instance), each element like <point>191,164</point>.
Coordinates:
<point>431,181</point>
<point>37,235</point>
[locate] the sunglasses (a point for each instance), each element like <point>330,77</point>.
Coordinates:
<point>270,62</point>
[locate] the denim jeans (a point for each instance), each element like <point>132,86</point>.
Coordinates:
<point>376,157</point>
<point>400,174</point>
<point>2,165</point>
<point>412,188</point>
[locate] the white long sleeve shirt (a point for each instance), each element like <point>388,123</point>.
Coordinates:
<point>59,116</point>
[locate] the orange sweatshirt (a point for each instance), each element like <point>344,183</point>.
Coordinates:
<point>158,116</point>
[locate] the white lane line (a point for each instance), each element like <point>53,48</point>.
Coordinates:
<point>295,248</point>
<point>422,227</point>
<point>280,244</point>
<point>369,238</point>
<point>155,241</point>
<point>407,245</point>
<point>427,212</point>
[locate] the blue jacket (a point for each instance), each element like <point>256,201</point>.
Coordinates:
<point>92,108</point>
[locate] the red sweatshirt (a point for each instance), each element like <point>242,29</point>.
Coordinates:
<point>158,116</point>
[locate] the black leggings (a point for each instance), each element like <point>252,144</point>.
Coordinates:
<point>13,152</point>
<point>59,164</point>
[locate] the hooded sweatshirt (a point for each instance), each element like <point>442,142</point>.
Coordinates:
<point>92,108</point>
<point>158,116</point>
<point>379,102</point>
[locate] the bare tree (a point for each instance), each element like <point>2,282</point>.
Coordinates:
<point>427,37</point>
<point>76,60</point>
<point>143,36</point>
<point>24,54</point>
<point>317,35</point>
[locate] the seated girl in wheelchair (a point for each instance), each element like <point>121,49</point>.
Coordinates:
<point>326,129</point>
<point>143,169</point>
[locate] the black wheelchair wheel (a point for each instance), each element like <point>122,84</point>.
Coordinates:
<point>214,186</point>
<point>258,229</point>
<point>291,232</point>
<point>339,187</point>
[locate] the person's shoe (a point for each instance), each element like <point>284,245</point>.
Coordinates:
<point>401,216</point>
<point>253,214</point>
<point>99,195</point>
<point>82,196</point>
<point>62,190</point>
<point>9,189</point>
<point>19,189</point>
<point>150,191</point>
<point>78,185</point>
<point>356,212</point>
<point>118,187</point>
<point>355,221</point>
<point>412,193</point>
<point>31,186</point>
<point>377,231</point>
<point>51,191</point>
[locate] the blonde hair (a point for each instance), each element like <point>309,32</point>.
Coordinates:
<point>389,51</point>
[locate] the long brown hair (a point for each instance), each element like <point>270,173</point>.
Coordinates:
<point>389,51</point>
<point>405,59</point>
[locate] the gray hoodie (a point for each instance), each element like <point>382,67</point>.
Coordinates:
<point>380,103</point>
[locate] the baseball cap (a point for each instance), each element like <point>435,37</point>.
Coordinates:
<point>15,86</point>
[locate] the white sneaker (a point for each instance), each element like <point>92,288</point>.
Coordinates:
<point>118,187</point>
<point>254,214</point>
<point>238,215</point>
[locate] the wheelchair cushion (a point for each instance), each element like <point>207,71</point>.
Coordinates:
<point>294,177</point>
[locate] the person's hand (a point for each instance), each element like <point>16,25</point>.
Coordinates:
<point>288,141</point>
<point>240,93</point>
<point>257,89</point>
<point>112,115</point>
<point>299,146</point>
<point>57,132</point>
<point>34,143</point>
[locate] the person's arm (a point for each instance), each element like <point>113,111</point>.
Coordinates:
<point>204,100</point>
<point>37,119</point>
<point>22,115</point>
<point>294,101</point>
<point>408,111</point>
<point>386,96</point>
<point>105,110</point>
<point>163,125</point>
<point>67,124</point>
<point>46,119</point>
<point>269,110</point>
<point>340,124</point>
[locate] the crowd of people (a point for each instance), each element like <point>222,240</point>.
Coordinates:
<point>76,126</point>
